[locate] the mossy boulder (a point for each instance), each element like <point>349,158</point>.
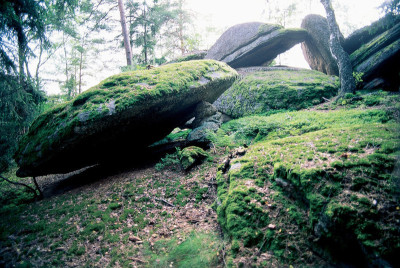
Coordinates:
<point>263,89</point>
<point>191,156</point>
<point>254,44</point>
<point>379,59</point>
<point>316,49</point>
<point>318,194</point>
<point>195,55</point>
<point>120,116</point>
<point>362,36</point>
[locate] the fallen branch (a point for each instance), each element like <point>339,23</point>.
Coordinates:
<point>37,187</point>
<point>165,202</point>
<point>136,260</point>
<point>21,184</point>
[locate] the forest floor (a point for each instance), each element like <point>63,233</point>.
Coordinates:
<point>132,218</point>
<point>162,216</point>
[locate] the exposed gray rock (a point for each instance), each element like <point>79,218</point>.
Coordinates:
<point>210,124</point>
<point>316,46</point>
<point>254,44</point>
<point>202,112</point>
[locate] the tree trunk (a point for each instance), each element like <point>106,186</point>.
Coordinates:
<point>38,65</point>
<point>145,35</point>
<point>66,64</point>
<point>127,44</point>
<point>80,73</point>
<point>181,37</point>
<point>21,62</point>
<point>347,82</point>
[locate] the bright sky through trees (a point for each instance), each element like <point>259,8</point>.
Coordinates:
<point>212,17</point>
<point>222,14</point>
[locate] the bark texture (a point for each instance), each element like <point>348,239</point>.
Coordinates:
<point>127,44</point>
<point>347,82</point>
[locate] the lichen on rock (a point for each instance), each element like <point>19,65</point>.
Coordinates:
<point>264,89</point>
<point>125,112</point>
<point>325,192</point>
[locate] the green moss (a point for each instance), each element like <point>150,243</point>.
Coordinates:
<point>115,206</point>
<point>262,92</point>
<point>268,28</point>
<point>311,162</point>
<point>377,46</point>
<point>195,56</point>
<point>189,156</point>
<point>198,250</point>
<point>252,129</point>
<point>111,96</point>
<point>175,135</point>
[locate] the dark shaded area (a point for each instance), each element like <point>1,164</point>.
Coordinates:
<point>126,162</point>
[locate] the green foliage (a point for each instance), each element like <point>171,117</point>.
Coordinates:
<point>146,24</point>
<point>13,196</point>
<point>198,250</point>
<point>76,249</point>
<point>18,107</point>
<point>175,135</point>
<point>190,156</point>
<point>392,7</point>
<point>358,78</point>
<point>18,20</point>
<point>170,162</point>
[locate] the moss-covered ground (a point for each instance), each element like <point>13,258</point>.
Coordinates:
<point>314,186</point>
<point>310,188</point>
<point>147,217</point>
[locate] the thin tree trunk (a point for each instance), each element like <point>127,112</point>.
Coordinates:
<point>80,73</point>
<point>38,65</point>
<point>21,61</point>
<point>128,50</point>
<point>66,66</point>
<point>145,35</point>
<point>181,37</point>
<point>347,82</point>
<point>38,187</point>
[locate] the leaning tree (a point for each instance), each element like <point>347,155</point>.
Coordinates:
<point>347,81</point>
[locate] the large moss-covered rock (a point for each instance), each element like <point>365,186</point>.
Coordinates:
<point>191,156</point>
<point>120,116</point>
<point>362,36</point>
<point>313,187</point>
<point>263,89</point>
<point>379,58</point>
<point>316,46</point>
<point>254,44</point>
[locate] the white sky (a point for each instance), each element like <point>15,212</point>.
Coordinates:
<point>222,14</point>
<point>226,13</point>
